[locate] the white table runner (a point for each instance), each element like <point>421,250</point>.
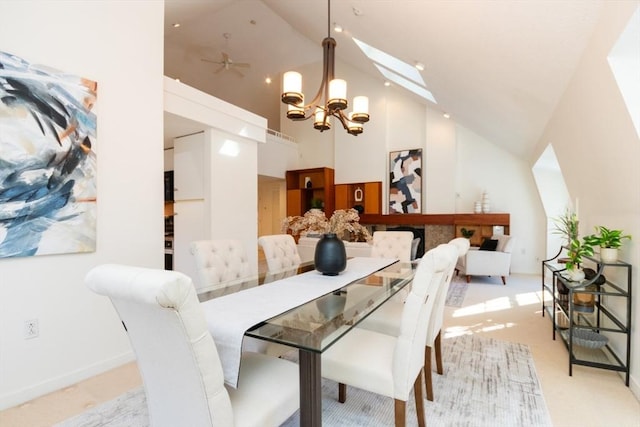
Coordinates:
<point>230,316</point>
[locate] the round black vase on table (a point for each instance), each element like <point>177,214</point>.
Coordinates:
<point>330,256</point>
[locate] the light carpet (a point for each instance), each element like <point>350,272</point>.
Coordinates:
<point>486,382</point>
<point>457,291</point>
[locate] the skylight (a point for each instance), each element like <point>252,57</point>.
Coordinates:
<point>624,60</point>
<point>398,71</point>
<point>405,83</point>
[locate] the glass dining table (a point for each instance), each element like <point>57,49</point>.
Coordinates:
<point>314,326</point>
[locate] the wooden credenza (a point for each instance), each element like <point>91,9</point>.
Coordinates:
<point>483,224</point>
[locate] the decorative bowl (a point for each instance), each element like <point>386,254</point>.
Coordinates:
<point>589,339</point>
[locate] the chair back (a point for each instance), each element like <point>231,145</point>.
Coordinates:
<point>463,244</point>
<point>450,253</point>
<point>220,262</point>
<point>408,357</point>
<point>392,244</point>
<point>176,355</point>
<point>280,251</point>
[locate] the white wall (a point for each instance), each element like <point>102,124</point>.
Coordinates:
<point>230,182</point>
<point>597,148</point>
<point>482,166</point>
<point>457,164</point>
<point>234,192</point>
<point>80,334</point>
<point>277,156</point>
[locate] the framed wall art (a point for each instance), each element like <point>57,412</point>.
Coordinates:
<point>405,181</point>
<point>47,160</point>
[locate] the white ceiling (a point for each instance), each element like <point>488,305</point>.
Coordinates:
<point>498,67</point>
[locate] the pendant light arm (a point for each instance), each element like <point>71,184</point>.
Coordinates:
<point>331,98</point>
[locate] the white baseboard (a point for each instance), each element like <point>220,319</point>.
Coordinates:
<point>634,387</point>
<point>26,394</point>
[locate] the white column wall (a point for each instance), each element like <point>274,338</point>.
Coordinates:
<point>234,192</point>
<point>80,334</point>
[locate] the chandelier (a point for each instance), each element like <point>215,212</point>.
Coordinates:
<point>331,99</point>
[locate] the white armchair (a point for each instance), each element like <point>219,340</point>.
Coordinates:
<point>489,262</point>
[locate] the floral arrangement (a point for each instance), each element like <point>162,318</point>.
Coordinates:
<point>345,223</point>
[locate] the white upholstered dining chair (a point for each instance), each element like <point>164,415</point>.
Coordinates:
<point>220,262</point>
<point>392,244</point>
<point>178,360</point>
<point>385,364</point>
<point>387,319</point>
<point>280,251</point>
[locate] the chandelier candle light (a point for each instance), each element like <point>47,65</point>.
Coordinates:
<point>332,91</point>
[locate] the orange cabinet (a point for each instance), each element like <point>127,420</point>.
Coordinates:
<point>310,188</point>
<point>366,194</point>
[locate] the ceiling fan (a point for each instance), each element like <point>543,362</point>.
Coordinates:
<point>227,64</point>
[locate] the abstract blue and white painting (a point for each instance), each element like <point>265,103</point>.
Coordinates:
<point>47,160</point>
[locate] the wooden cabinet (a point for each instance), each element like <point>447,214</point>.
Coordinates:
<point>310,188</point>
<point>482,225</point>
<point>366,194</point>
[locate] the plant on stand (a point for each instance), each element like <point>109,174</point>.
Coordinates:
<point>609,241</point>
<point>567,226</point>
<point>577,250</point>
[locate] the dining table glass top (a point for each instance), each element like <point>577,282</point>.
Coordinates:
<point>317,324</point>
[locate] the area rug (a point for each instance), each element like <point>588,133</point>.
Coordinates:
<point>457,291</point>
<point>486,382</point>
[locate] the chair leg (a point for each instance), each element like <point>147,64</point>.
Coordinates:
<point>417,390</point>
<point>427,373</point>
<point>438,348</point>
<point>504,280</point>
<point>342,392</point>
<point>468,279</point>
<point>400,413</point>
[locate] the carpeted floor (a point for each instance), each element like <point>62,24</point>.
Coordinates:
<point>457,291</point>
<point>486,382</point>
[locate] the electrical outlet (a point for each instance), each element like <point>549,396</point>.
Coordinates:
<point>31,329</point>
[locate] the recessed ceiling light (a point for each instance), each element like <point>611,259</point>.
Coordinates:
<point>178,80</point>
<point>176,25</point>
<point>337,28</point>
<point>446,115</point>
<point>387,83</point>
<point>268,80</point>
<point>420,66</point>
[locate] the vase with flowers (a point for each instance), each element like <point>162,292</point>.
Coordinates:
<point>344,223</point>
<point>330,254</point>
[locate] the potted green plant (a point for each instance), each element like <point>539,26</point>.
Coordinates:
<point>609,241</point>
<point>567,226</point>
<point>577,250</point>
<point>467,233</point>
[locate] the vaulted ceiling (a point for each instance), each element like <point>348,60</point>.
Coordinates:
<point>497,67</point>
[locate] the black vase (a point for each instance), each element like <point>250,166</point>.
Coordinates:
<point>331,256</point>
